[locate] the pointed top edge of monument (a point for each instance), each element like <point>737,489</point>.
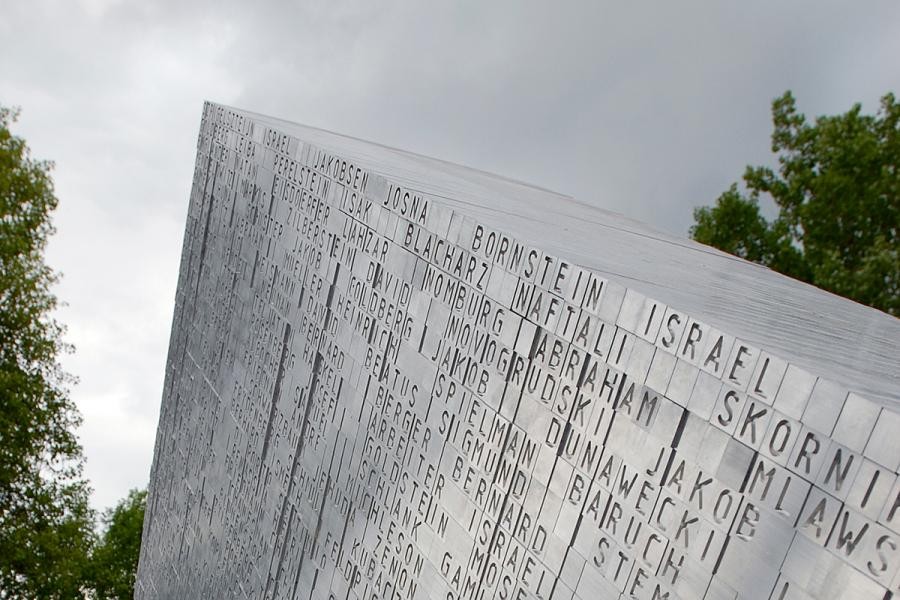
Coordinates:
<point>828,335</point>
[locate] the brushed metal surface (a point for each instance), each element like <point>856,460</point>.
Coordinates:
<point>393,377</point>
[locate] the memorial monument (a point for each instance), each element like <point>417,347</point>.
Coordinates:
<point>394,377</point>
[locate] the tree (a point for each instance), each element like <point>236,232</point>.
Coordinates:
<point>837,191</point>
<point>45,521</point>
<point>115,558</point>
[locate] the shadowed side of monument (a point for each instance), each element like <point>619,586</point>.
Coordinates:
<point>393,377</point>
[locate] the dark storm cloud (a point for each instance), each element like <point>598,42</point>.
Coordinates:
<point>645,109</point>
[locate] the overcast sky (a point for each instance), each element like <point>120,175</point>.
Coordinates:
<point>645,109</point>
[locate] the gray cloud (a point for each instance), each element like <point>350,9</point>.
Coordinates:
<point>648,110</point>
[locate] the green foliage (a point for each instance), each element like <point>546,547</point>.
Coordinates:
<point>48,548</point>
<point>45,521</point>
<point>837,190</point>
<point>115,558</point>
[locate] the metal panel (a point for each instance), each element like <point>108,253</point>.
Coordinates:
<point>391,377</point>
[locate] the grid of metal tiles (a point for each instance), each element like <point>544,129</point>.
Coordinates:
<point>373,392</point>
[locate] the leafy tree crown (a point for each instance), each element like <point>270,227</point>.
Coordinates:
<point>837,190</point>
<point>45,521</point>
